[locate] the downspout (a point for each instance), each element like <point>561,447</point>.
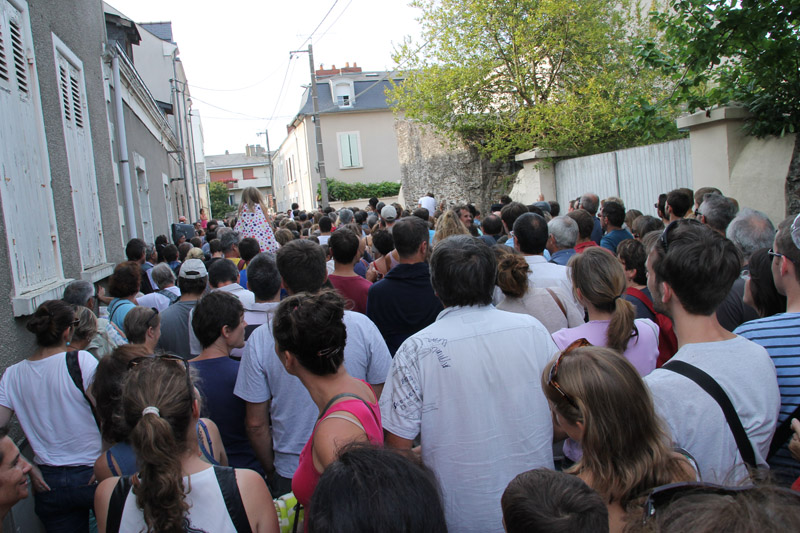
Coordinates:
<point>122,143</point>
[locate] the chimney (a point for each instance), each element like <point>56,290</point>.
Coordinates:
<point>347,65</point>
<point>247,150</point>
<point>226,152</point>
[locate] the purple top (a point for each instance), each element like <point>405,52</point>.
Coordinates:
<point>642,350</point>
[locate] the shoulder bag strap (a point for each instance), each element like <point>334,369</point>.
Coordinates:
<point>117,503</point>
<point>642,297</point>
<point>226,477</point>
<point>558,302</point>
<point>208,453</point>
<point>347,395</point>
<point>709,385</point>
<point>783,433</point>
<point>74,369</point>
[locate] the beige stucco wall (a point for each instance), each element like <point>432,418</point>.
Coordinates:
<point>751,170</point>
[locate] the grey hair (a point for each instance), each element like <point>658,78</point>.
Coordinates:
<point>345,217</point>
<point>78,292</point>
<point>718,211</point>
<point>751,230</point>
<point>163,275</point>
<point>590,202</point>
<point>227,238</point>
<point>564,230</point>
<point>149,251</point>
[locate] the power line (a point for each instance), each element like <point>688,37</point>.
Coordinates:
<point>334,21</point>
<point>228,110</point>
<point>318,25</point>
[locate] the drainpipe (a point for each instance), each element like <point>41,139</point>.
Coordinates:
<point>122,144</point>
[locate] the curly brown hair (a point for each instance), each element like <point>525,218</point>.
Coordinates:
<point>125,280</point>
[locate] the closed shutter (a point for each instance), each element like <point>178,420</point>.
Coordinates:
<point>27,198</point>
<point>349,150</point>
<point>80,155</point>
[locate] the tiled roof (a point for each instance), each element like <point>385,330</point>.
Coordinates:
<point>162,30</point>
<point>221,161</point>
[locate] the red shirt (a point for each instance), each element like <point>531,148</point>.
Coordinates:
<point>354,289</point>
<point>579,248</point>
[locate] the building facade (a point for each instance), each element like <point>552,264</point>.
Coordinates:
<point>358,136</point>
<point>252,168</point>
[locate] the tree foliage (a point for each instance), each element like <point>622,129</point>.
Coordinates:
<point>510,75</point>
<point>746,52</point>
<point>743,52</point>
<point>218,193</point>
<point>339,190</point>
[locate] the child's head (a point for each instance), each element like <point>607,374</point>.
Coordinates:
<point>546,501</point>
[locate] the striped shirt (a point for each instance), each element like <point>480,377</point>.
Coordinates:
<point>780,335</point>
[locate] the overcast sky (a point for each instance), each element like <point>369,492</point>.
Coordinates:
<point>241,49</point>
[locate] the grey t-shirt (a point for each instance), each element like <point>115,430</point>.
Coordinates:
<point>745,372</point>
<point>175,328</point>
<point>293,412</point>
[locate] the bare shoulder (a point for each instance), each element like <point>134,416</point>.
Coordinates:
<point>102,496</point>
<point>255,495</point>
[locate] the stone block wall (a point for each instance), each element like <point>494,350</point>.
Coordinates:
<point>451,170</point>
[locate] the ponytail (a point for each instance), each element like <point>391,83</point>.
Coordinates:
<point>621,328</point>
<point>157,402</point>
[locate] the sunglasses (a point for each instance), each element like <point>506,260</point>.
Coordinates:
<point>664,239</point>
<point>663,496</point>
<point>150,320</point>
<point>551,379</point>
<point>133,363</point>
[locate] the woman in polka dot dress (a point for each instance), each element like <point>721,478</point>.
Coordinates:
<point>252,220</point>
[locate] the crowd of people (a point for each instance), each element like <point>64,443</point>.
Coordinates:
<point>424,369</point>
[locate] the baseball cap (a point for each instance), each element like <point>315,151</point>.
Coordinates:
<point>193,269</point>
<point>389,213</point>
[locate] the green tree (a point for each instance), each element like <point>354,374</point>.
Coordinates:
<point>510,75</point>
<point>744,52</point>
<point>219,200</point>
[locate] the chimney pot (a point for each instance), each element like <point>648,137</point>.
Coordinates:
<point>347,65</point>
<point>354,64</point>
<point>333,67</point>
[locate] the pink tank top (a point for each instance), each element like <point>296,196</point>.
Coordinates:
<point>306,477</point>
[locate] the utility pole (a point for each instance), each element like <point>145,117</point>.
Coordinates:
<point>323,181</point>
<point>265,133</point>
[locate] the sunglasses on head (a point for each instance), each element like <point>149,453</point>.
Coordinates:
<point>663,496</point>
<point>136,361</point>
<point>551,379</point>
<point>152,316</point>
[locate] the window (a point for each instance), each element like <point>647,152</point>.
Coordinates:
<point>80,155</point>
<point>349,149</point>
<point>231,199</point>
<point>343,93</point>
<point>247,173</point>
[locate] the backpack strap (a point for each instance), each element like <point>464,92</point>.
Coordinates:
<point>117,503</point>
<point>708,384</point>
<point>642,297</point>
<point>226,477</point>
<point>110,461</point>
<point>208,453</point>
<point>783,433</point>
<point>74,369</point>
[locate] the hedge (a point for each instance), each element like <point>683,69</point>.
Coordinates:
<point>344,192</point>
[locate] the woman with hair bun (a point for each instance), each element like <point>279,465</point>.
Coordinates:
<point>599,284</point>
<point>310,336</point>
<point>551,306</point>
<point>46,391</point>
<point>598,398</point>
<point>175,490</point>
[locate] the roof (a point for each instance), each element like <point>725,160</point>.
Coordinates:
<point>225,161</point>
<point>162,30</point>
<point>370,93</point>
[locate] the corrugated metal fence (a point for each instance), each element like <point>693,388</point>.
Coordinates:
<point>637,175</point>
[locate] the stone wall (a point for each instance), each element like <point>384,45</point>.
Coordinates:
<point>452,171</point>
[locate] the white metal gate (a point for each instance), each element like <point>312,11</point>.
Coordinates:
<point>637,175</point>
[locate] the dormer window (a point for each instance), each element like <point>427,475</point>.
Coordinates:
<point>343,93</point>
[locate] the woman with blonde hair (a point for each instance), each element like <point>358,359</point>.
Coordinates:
<point>598,281</point>
<point>447,225</point>
<point>550,306</point>
<point>252,220</point>
<point>599,399</point>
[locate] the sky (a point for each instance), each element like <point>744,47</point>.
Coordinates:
<point>237,62</point>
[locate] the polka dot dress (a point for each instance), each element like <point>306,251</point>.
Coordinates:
<point>254,224</point>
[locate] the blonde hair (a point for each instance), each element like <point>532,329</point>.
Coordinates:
<point>447,225</point>
<point>251,197</point>
<point>625,448</point>
<point>195,253</point>
<point>87,325</point>
<point>601,280</point>
<point>512,271</point>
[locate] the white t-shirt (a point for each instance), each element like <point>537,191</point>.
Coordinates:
<point>207,509</point>
<point>262,377</point>
<point>428,203</point>
<point>746,373</point>
<point>470,385</point>
<point>54,415</point>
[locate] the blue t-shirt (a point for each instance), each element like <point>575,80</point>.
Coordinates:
<point>611,240</point>
<point>217,378</point>
<point>778,335</point>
